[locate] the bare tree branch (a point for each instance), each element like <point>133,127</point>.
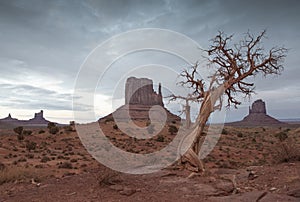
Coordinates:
<point>234,64</point>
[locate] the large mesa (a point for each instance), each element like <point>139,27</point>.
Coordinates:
<point>140,97</point>
<point>257,116</point>
<point>140,91</point>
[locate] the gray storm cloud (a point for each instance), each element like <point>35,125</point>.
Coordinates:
<point>44,43</point>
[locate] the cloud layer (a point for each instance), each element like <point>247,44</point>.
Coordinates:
<point>44,43</point>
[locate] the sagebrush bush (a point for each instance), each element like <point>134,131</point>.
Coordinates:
<point>287,151</point>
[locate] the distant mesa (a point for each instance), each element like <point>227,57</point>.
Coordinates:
<point>257,116</point>
<point>37,120</point>
<point>140,91</point>
<point>140,97</point>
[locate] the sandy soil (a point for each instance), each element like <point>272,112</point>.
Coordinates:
<point>248,164</point>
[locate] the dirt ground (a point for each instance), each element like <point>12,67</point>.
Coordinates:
<point>248,164</point>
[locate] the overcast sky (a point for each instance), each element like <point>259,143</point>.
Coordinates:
<point>44,43</point>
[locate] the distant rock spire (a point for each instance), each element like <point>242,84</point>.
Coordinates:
<point>159,89</point>
<point>9,116</point>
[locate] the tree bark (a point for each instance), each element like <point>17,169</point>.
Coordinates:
<point>206,109</point>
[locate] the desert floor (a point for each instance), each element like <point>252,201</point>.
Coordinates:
<point>247,164</point>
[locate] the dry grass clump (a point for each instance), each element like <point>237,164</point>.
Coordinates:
<point>287,151</point>
<point>108,176</point>
<point>13,173</point>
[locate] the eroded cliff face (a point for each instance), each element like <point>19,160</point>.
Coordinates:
<point>258,106</point>
<point>140,91</point>
<point>140,98</point>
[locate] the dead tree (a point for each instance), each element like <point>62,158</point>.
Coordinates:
<point>187,107</point>
<point>234,65</point>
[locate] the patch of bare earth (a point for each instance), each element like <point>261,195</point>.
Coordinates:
<point>244,166</point>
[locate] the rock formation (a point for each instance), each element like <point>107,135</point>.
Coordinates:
<point>38,119</point>
<point>140,91</point>
<point>257,116</point>
<point>140,97</point>
<point>258,106</point>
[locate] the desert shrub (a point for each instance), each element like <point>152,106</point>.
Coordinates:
<point>30,145</point>
<point>115,127</point>
<point>51,125</point>
<point>240,134</point>
<point>2,166</point>
<point>41,131</point>
<point>20,137</point>
<point>160,138</point>
<point>108,177</point>
<point>13,173</point>
<point>53,130</point>
<point>22,159</point>
<point>27,132</point>
<point>68,129</point>
<point>30,156</point>
<point>72,123</point>
<point>45,159</point>
<point>151,129</point>
<point>18,130</point>
<point>66,165</point>
<point>224,131</point>
<point>281,136</point>
<point>287,152</point>
<point>173,129</point>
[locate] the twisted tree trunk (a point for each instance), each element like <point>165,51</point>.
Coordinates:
<point>192,156</point>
